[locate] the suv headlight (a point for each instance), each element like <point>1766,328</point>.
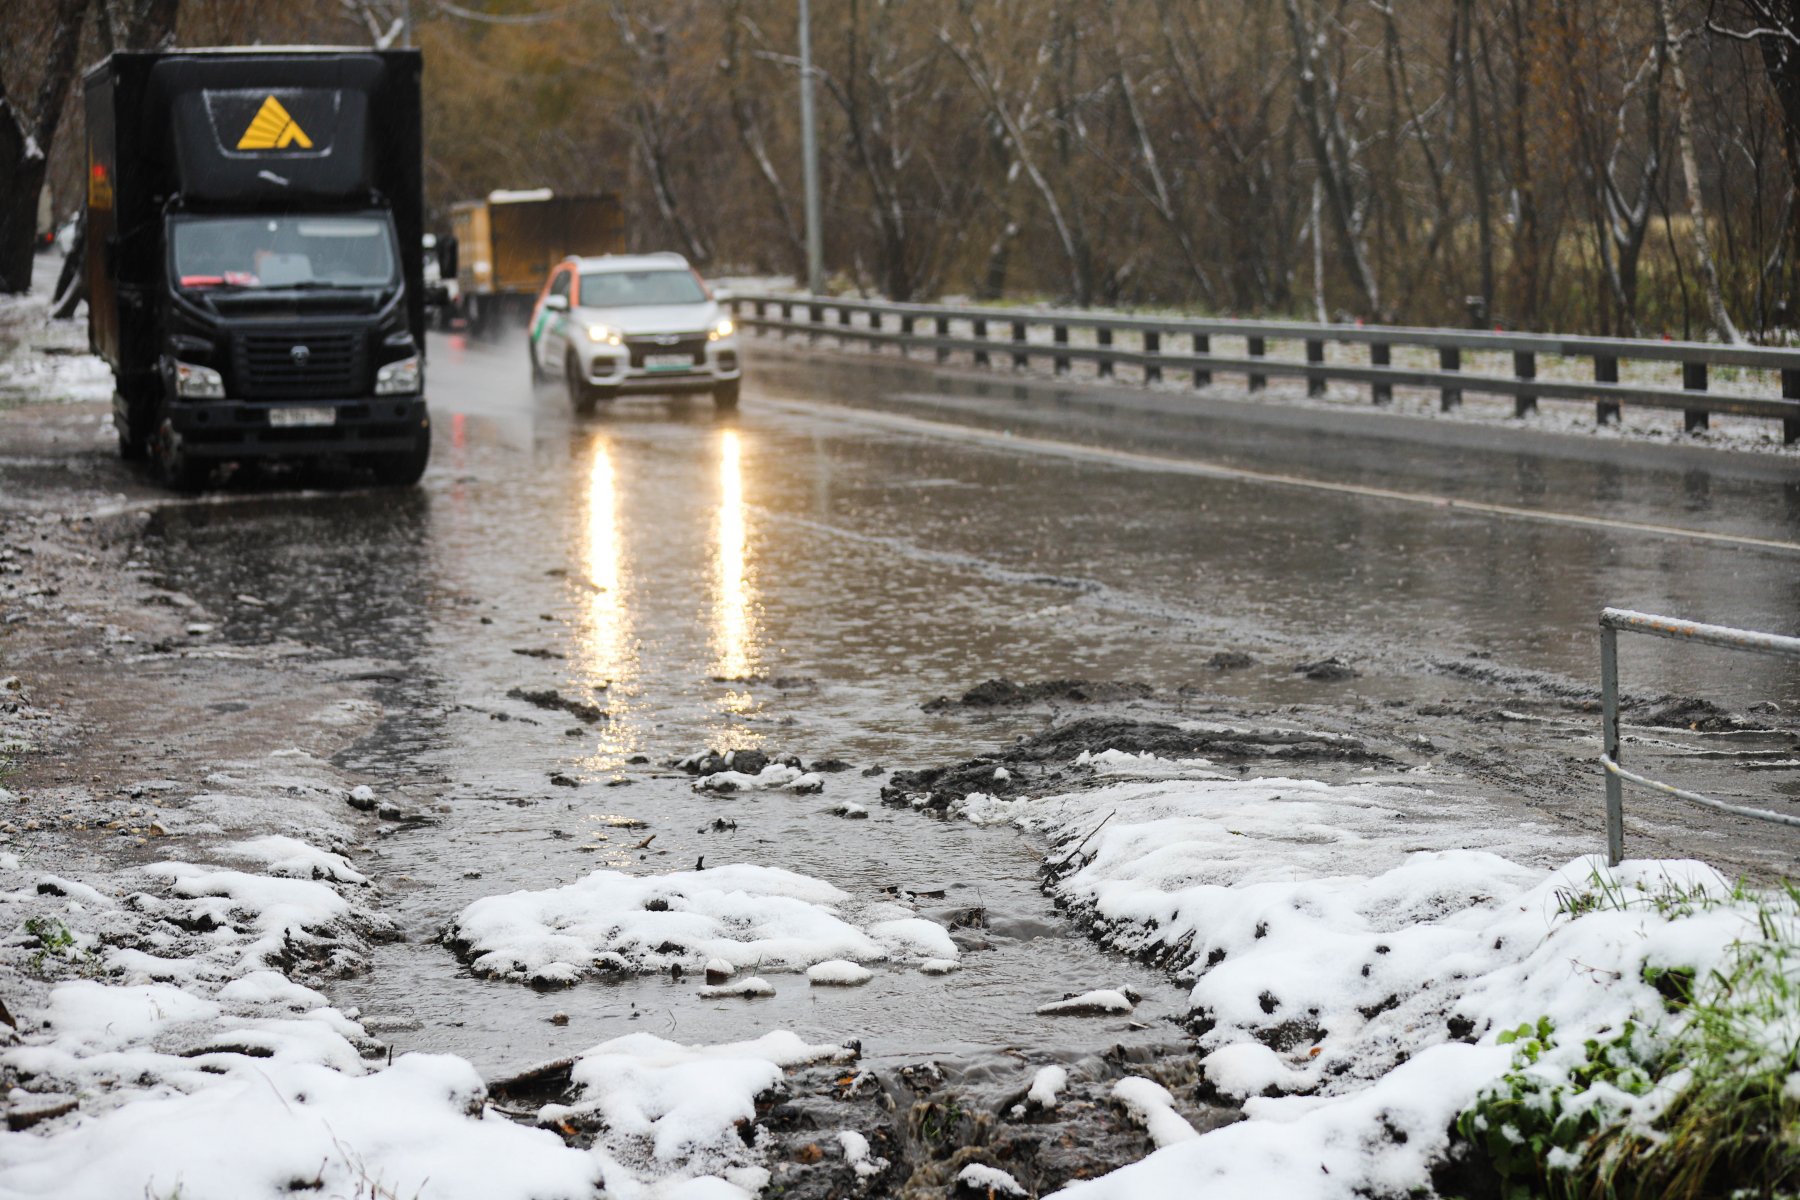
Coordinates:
<point>605,334</point>
<point>198,383</point>
<point>723,329</point>
<point>398,378</point>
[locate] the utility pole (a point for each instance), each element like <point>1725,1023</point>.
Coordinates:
<point>809,151</point>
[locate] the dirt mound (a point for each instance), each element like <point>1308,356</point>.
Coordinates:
<point>1004,693</point>
<point>1046,758</point>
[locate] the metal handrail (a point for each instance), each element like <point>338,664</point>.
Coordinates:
<point>1612,621</point>
<point>816,316</point>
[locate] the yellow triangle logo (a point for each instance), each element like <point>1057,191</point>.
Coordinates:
<point>273,129</point>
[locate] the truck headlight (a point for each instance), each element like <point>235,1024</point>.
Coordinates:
<point>398,378</point>
<point>198,383</point>
<point>723,329</point>
<point>605,334</point>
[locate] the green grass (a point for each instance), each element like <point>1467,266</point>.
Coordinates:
<point>1700,1102</point>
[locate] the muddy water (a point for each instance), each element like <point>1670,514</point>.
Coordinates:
<point>799,583</point>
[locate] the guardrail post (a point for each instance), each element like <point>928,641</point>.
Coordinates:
<point>787,317</point>
<point>1693,378</point>
<point>1202,345</point>
<point>1060,334</point>
<point>981,356</point>
<point>1104,337</point>
<point>844,322</point>
<point>1021,360</point>
<point>1152,345</point>
<point>1524,369</point>
<point>1609,738</point>
<point>1606,370</point>
<point>815,316</point>
<point>943,331</point>
<point>1315,357</point>
<point>1790,390</point>
<point>1256,348</point>
<point>1379,356</point>
<point>1449,359</point>
<point>906,332</point>
<point>758,308</point>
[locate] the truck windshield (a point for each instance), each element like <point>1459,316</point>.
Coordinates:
<point>629,289</point>
<point>284,252</point>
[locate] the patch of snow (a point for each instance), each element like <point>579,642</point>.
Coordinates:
<point>1100,1002</point>
<point>666,1115</point>
<point>915,936</point>
<point>274,1129</point>
<point>295,859</point>
<point>57,885</point>
<point>938,966</point>
<point>775,775</point>
<point>1151,1106</point>
<point>749,916</point>
<point>1046,1085</point>
<point>752,988</point>
<point>991,1180</point>
<point>856,1153</point>
<point>1340,955</point>
<point>838,973</point>
<point>979,808</point>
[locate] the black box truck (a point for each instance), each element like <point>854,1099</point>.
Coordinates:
<point>255,262</point>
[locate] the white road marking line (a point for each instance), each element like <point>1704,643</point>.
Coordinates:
<point>1183,466</point>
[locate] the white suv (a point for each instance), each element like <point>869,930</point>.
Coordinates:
<point>632,323</point>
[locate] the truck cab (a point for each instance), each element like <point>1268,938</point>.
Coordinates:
<point>256,258</point>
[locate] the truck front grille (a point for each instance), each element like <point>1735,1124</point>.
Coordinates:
<point>302,364</point>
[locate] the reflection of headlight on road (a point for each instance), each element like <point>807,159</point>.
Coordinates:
<point>198,383</point>
<point>723,329</point>
<point>605,334</point>
<point>398,378</point>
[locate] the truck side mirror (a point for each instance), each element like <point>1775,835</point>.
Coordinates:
<point>556,303</point>
<point>446,252</point>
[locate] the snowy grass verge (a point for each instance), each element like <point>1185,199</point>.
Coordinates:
<point>1388,1015</point>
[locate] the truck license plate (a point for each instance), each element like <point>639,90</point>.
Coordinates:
<point>668,362</point>
<point>299,418</point>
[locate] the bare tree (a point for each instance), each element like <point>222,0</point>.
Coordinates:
<point>26,137</point>
<point>1707,267</point>
<point>1334,149</point>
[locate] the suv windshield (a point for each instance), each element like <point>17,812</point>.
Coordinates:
<point>281,252</point>
<point>629,289</point>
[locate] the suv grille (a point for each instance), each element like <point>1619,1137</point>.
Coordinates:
<point>691,344</point>
<point>333,366</point>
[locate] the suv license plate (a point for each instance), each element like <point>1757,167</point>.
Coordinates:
<point>668,362</point>
<point>298,418</point>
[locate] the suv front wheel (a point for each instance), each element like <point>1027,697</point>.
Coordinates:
<point>725,395</point>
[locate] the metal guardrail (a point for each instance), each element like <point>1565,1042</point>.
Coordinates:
<point>868,323</point>
<point>1612,620</point>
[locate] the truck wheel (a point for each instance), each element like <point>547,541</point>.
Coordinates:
<point>175,468</point>
<point>403,468</point>
<point>725,395</point>
<point>582,396</point>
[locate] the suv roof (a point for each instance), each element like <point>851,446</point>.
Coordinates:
<point>664,259</point>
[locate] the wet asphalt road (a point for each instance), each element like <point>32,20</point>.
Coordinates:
<point>798,577</point>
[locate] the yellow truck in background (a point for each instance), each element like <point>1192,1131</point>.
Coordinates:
<point>507,243</point>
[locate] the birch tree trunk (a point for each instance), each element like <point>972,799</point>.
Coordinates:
<point>1708,269</point>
